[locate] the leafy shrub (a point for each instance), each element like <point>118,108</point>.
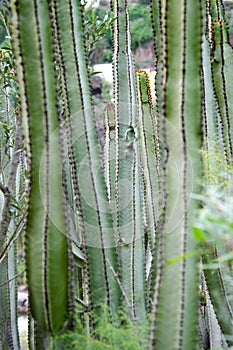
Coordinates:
<point>99,38</point>
<point>125,336</point>
<point>141,31</point>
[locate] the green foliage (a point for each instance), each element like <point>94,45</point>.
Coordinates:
<point>97,24</point>
<point>216,219</point>
<point>140,28</point>
<point>8,90</point>
<point>8,103</point>
<point>216,171</point>
<point>126,336</point>
<point>215,232</point>
<point>4,25</point>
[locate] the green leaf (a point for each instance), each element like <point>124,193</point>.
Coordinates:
<point>184,256</point>
<point>79,259</point>
<point>198,234</point>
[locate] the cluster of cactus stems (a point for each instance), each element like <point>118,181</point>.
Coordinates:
<point>116,227</point>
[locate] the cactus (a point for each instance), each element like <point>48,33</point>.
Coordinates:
<point>217,137</point>
<point>116,227</point>
<point>177,282</point>
<point>10,224</point>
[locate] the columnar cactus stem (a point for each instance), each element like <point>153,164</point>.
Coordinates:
<point>176,290</point>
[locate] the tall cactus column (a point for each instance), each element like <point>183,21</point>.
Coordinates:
<point>176,291</point>
<point>52,32</point>
<point>46,236</point>
<point>126,185</point>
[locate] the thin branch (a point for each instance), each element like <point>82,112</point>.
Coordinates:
<point>5,24</point>
<point>86,306</point>
<point>13,278</point>
<point>122,290</point>
<point>13,237</point>
<point>5,220</point>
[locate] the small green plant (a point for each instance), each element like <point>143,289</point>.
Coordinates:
<point>141,31</point>
<point>216,170</point>
<point>216,220</point>
<point>125,336</point>
<point>97,31</point>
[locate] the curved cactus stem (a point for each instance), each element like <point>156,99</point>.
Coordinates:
<point>214,337</point>
<point>220,295</point>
